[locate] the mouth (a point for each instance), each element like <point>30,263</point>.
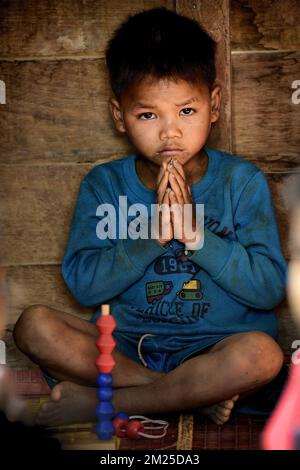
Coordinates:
<point>170,151</point>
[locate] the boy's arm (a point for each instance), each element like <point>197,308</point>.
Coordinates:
<point>252,269</point>
<point>97,270</point>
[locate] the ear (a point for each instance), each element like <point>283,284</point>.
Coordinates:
<point>116,113</point>
<point>216,96</point>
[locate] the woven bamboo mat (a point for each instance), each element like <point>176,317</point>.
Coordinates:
<point>192,432</point>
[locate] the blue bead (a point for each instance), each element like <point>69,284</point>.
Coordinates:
<point>122,415</point>
<point>104,430</point>
<point>105,410</point>
<point>104,393</point>
<point>104,380</point>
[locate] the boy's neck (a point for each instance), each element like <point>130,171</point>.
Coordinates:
<point>194,170</point>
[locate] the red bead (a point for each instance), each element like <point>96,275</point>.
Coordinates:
<point>105,363</point>
<point>106,344</point>
<point>106,324</point>
<point>133,428</point>
<point>120,425</point>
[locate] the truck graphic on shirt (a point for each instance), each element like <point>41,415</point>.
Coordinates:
<point>156,290</point>
<point>191,290</point>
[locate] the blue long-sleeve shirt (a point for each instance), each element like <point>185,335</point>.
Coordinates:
<point>231,285</point>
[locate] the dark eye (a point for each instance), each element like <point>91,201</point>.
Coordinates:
<point>187,111</point>
<point>147,116</point>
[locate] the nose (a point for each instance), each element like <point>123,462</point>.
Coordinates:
<point>170,129</point>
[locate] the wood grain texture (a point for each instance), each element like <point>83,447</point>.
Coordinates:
<point>43,28</point>
<point>36,208</point>
<point>31,285</point>
<point>265,24</point>
<point>57,111</point>
<point>214,17</point>
<point>265,120</point>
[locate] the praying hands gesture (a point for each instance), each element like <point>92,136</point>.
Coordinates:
<point>174,192</point>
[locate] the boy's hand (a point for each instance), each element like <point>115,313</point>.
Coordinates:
<point>165,228</point>
<point>180,194</point>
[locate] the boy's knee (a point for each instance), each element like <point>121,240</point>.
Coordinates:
<point>30,325</point>
<point>262,358</point>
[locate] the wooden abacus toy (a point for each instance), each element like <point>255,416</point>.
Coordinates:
<point>105,363</point>
<point>109,422</point>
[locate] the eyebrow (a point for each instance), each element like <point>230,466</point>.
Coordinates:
<point>145,105</point>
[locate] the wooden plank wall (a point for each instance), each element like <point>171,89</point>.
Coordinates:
<point>265,52</point>
<point>55,126</point>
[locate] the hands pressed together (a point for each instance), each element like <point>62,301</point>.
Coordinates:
<point>174,193</point>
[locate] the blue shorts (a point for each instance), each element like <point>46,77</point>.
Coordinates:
<point>158,353</point>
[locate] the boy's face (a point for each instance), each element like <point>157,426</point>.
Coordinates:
<point>166,119</point>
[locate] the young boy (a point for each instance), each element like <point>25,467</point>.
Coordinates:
<point>195,326</point>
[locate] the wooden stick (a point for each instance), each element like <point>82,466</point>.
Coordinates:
<point>105,309</point>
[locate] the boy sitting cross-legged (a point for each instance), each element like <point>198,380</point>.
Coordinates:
<point>195,318</point>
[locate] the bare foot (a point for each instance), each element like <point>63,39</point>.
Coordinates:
<point>220,412</point>
<point>69,403</point>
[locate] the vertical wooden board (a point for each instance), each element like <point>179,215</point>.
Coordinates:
<point>265,24</point>
<point>44,285</point>
<point>36,205</point>
<point>214,17</point>
<point>265,120</point>
<point>57,111</point>
<point>43,28</point>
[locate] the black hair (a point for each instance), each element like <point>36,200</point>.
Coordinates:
<point>159,44</point>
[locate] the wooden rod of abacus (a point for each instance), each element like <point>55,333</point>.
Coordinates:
<point>105,309</point>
